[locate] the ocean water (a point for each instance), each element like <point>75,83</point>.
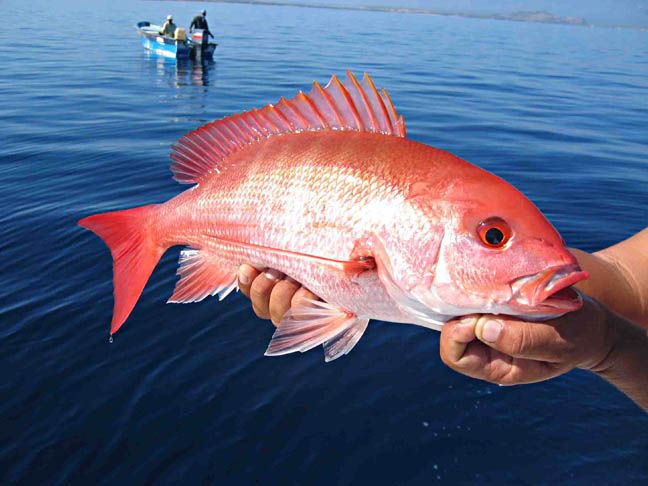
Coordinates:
<point>184,392</point>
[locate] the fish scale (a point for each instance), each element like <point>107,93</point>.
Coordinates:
<point>310,206</point>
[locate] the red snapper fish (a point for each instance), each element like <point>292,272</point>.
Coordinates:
<point>326,188</point>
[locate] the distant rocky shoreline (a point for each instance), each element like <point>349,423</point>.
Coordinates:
<point>538,16</point>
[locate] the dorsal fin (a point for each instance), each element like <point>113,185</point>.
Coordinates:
<point>339,106</point>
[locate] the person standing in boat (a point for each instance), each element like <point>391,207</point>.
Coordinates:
<point>200,22</point>
<point>169,28</point>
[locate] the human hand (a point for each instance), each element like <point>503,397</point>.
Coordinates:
<point>271,292</point>
<point>509,351</point>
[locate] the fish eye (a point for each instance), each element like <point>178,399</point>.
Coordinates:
<point>494,232</point>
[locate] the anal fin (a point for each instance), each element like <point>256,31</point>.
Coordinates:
<point>312,323</point>
<point>202,274</point>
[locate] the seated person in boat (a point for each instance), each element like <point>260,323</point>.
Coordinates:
<point>169,28</point>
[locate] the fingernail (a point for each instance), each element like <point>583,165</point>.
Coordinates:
<point>273,275</point>
<point>491,331</point>
<point>244,277</point>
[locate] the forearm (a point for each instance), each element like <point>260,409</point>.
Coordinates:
<point>607,284</point>
<point>626,366</point>
<point>618,277</point>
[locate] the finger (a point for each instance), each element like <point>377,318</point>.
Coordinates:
<point>519,371</point>
<point>260,291</point>
<point>455,336</point>
<point>529,340</point>
<point>485,363</point>
<point>503,369</point>
<point>281,298</point>
<point>462,352</point>
<point>246,274</point>
<point>303,293</point>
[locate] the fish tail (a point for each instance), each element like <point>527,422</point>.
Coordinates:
<point>131,237</point>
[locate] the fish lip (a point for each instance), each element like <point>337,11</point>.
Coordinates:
<point>550,290</point>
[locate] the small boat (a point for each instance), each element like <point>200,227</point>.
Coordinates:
<point>162,45</point>
<point>178,47</point>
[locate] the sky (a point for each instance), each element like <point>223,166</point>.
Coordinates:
<point>597,12</point>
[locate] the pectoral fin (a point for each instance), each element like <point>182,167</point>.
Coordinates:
<point>312,323</point>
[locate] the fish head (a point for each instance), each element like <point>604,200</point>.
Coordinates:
<point>500,255</point>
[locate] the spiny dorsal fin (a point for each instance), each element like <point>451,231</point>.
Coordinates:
<point>339,106</point>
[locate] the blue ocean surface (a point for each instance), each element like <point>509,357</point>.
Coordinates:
<point>184,393</point>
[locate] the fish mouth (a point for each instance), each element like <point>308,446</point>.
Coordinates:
<point>550,292</point>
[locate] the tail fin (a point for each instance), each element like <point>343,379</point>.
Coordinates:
<point>135,254</point>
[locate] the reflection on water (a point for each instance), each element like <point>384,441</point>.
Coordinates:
<point>180,72</point>
<point>200,72</point>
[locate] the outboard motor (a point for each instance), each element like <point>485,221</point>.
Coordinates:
<point>200,41</point>
<point>199,38</point>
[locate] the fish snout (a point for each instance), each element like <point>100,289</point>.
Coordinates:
<point>550,289</point>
